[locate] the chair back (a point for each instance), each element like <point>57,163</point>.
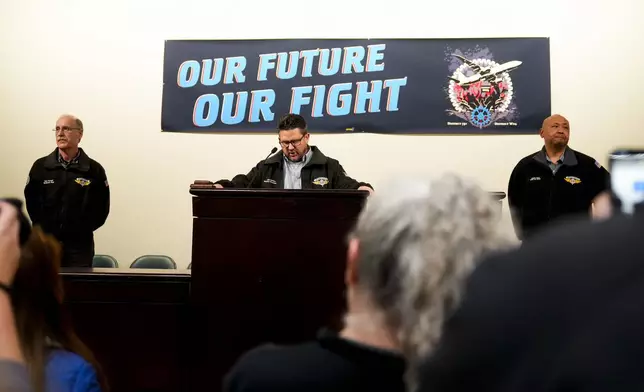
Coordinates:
<point>104,261</point>
<point>154,262</point>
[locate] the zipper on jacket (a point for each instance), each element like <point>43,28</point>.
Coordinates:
<point>63,201</point>
<point>550,191</point>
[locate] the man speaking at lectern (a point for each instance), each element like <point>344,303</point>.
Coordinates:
<point>297,166</point>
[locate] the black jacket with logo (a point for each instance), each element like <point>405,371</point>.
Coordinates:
<point>321,172</point>
<point>69,203</point>
<point>537,196</point>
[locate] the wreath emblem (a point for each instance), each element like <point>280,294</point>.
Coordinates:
<point>481,90</point>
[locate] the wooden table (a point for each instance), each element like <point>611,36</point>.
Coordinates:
<point>137,323</point>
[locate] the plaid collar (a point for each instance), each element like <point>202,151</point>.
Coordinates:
<point>65,163</point>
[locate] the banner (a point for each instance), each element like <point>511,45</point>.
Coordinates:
<point>395,86</point>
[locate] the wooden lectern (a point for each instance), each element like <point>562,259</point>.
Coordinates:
<point>268,266</point>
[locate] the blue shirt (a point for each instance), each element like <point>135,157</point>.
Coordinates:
<point>69,372</point>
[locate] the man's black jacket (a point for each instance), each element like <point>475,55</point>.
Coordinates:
<point>321,172</point>
<point>69,203</point>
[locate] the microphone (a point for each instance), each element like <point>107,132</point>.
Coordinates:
<point>273,151</point>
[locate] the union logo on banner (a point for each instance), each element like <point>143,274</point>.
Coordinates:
<point>481,91</point>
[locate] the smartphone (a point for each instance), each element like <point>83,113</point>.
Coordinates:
<point>627,179</point>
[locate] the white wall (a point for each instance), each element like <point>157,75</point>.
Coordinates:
<point>103,61</point>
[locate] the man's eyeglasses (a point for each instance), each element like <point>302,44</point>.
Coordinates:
<point>65,129</point>
<point>295,143</point>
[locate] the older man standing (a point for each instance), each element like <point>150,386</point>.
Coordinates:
<point>554,182</point>
<point>67,194</point>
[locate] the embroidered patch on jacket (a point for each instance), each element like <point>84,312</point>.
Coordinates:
<point>47,182</point>
<point>322,181</point>
<point>270,181</point>
<point>535,178</point>
<point>572,180</point>
<point>82,181</point>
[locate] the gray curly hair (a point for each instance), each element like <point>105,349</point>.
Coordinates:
<point>419,241</point>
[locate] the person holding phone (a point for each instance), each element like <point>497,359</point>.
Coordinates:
<point>555,182</point>
<point>35,329</point>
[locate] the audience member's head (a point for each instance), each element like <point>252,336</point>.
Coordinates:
<point>413,247</point>
<point>37,295</point>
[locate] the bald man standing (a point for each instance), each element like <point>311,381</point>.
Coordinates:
<point>67,194</point>
<point>555,182</point>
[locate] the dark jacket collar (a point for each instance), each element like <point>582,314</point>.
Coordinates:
<point>317,159</point>
<point>361,353</point>
<point>569,157</point>
<point>51,161</point>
